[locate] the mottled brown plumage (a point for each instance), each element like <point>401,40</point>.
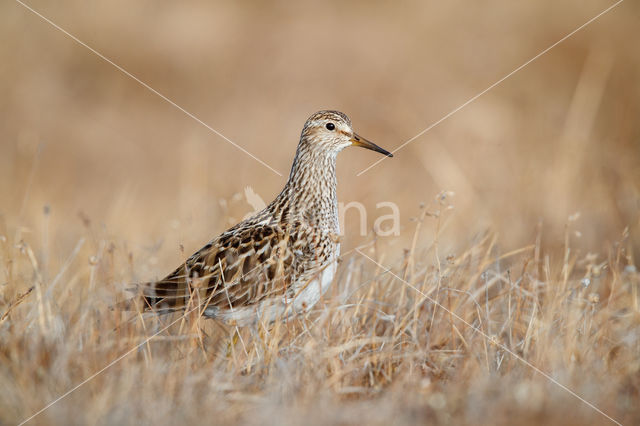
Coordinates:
<point>280,261</point>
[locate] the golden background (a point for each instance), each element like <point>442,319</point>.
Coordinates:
<point>560,136</point>
<point>89,156</point>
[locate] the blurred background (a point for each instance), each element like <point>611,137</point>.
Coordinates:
<point>560,136</point>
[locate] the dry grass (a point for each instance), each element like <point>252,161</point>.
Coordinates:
<point>103,184</point>
<point>378,349</point>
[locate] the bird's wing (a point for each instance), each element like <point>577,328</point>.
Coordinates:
<point>241,267</point>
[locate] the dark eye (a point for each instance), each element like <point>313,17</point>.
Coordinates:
<point>331,126</point>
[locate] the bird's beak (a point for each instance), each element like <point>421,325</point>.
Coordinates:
<point>357,140</point>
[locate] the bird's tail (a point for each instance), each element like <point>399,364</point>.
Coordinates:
<point>161,297</point>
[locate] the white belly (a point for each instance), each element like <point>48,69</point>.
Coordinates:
<point>312,292</point>
<point>303,301</point>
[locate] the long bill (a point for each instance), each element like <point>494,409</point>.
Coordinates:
<point>357,140</point>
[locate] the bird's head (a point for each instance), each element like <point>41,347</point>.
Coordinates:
<point>331,132</point>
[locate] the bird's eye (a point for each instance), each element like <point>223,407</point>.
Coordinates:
<point>331,126</point>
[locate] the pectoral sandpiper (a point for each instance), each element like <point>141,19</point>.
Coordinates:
<point>280,261</point>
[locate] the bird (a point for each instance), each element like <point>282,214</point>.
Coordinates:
<point>279,262</point>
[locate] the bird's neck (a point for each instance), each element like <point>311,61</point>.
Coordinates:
<point>309,195</point>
